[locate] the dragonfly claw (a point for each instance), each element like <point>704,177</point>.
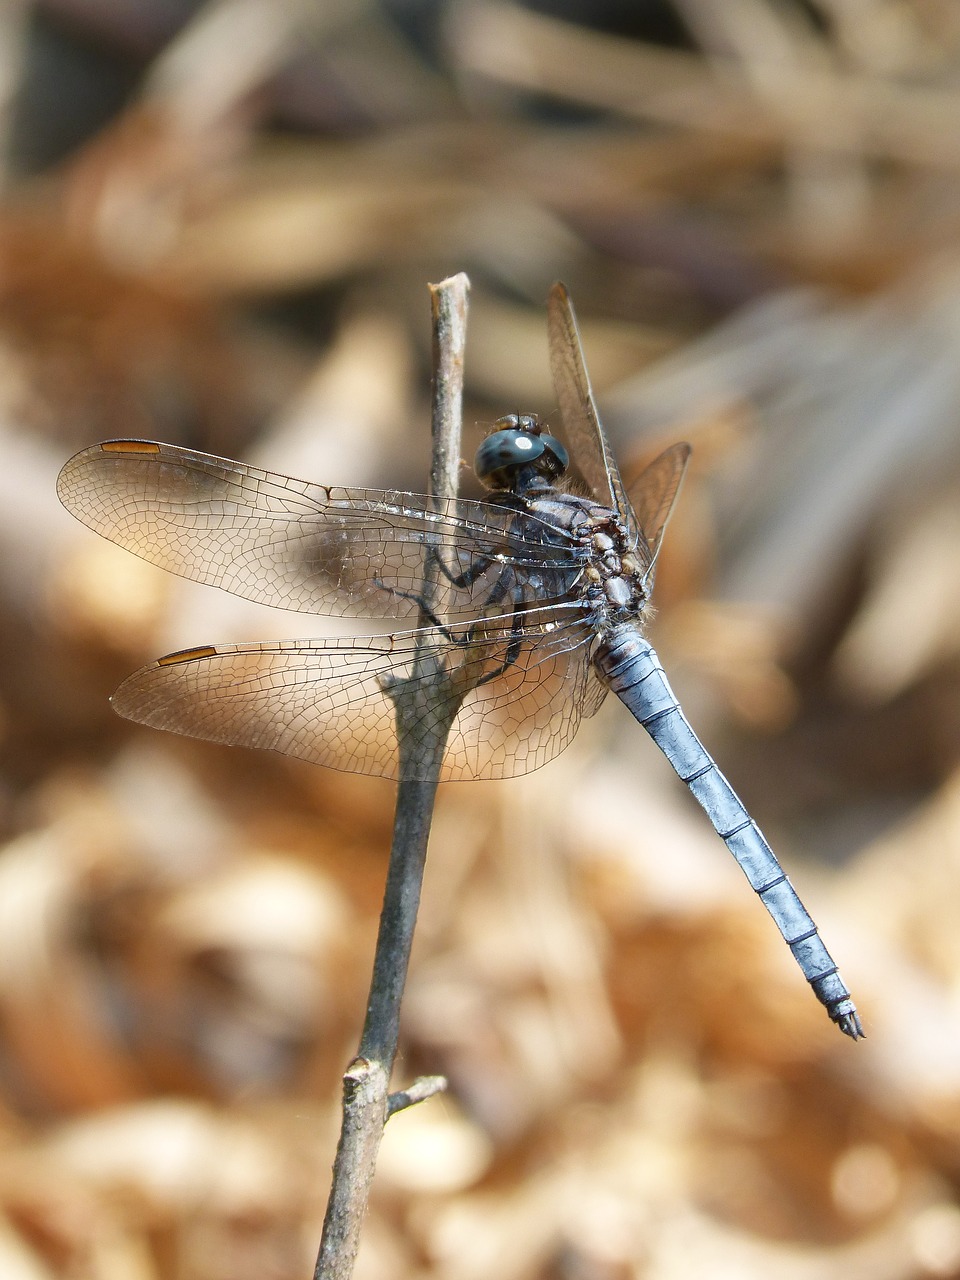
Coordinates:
<point>850,1024</point>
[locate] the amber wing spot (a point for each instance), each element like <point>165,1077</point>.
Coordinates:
<point>130,446</point>
<point>186,655</point>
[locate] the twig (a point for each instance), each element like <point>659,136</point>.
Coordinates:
<point>426,706</point>
<point>419,1091</point>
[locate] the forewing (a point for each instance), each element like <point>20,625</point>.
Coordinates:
<point>653,496</point>
<point>323,700</point>
<point>589,446</point>
<point>291,543</point>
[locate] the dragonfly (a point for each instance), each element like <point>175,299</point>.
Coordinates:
<point>541,593</point>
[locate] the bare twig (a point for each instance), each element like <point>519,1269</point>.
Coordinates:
<point>419,1091</point>
<point>426,706</point>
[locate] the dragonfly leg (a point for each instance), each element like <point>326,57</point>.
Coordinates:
<point>499,592</point>
<point>425,609</point>
<point>468,577</point>
<point>513,647</point>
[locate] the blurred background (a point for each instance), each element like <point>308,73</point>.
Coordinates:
<point>217,223</point>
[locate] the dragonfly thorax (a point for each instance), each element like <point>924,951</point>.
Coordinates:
<point>614,570</point>
<point>612,577</point>
<point>520,455</point>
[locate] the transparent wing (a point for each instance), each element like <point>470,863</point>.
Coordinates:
<point>293,544</point>
<point>323,700</point>
<point>653,495</point>
<point>589,446</point>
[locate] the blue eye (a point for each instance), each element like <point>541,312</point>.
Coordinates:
<point>553,449</point>
<point>506,450</point>
<point>519,443</point>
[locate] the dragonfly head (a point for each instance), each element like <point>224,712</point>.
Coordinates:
<point>519,452</point>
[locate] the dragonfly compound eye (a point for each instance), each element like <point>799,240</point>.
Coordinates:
<point>554,455</point>
<point>505,452</point>
<point>520,442</point>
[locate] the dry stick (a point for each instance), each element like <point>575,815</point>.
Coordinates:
<point>426,706</point>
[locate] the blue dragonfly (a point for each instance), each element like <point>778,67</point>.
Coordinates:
<point>538,611</point>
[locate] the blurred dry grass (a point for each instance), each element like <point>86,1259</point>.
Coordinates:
<point>756,207</point>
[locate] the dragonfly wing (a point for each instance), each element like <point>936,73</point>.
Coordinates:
<point>291,543</point>
<point>588,443</point>
<point>593,695</point>
<point>653,496</point>
<point>318,700</point>
<point>527,715</point>
<point>324,700</point>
